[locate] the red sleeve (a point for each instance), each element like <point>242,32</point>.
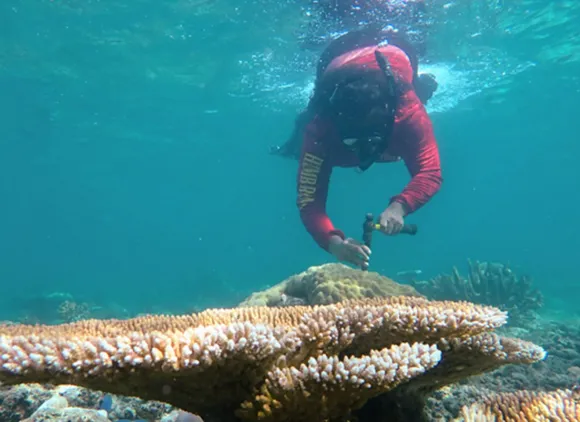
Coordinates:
<point>421,155</point>
<point>314,172</point>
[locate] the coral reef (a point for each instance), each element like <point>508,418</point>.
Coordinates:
<point>70,311</point>
<point>57,409</point>
<point>58,308</point>
<point>42,308</point>
<point>526,406</point>
<point>446,403</point>
<point>375,358</point>
<point>559,371</point>
<point>487,283</point>
<point>22,401</point>
<point>326,284</point>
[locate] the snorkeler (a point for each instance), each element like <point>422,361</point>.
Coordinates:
<point>365,110</point>
<point>424,84</point>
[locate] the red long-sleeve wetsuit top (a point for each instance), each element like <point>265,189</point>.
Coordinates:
<point>412,140</point>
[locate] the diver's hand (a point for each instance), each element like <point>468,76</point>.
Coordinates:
<point>425,87</point>
<point>350,250</point>
<point>392,219</point>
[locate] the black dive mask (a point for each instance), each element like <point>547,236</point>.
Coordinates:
<point>367,149</point>
<point>367,132</point>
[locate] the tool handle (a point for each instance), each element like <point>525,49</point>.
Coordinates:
<point>406,229</point>
<point>409,229</point>
<point>369,226</point>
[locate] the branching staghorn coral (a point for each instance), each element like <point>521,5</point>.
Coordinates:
<point>488,284</point>
<point>526,406</point>
<point>269,364</point>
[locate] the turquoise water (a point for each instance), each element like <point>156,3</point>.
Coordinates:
<point>134,166</point>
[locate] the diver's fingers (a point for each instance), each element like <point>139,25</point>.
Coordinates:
<point>364,252</point>
<point>354,258</point>
<point>385,228</point>
<point>395,227</point>
<point>360,257</point>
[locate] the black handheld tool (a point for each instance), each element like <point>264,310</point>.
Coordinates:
<point>369,226</point>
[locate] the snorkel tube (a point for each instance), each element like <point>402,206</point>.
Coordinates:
<point>391,82</point>
<point>373,148</point>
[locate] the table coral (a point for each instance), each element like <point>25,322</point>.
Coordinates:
<point>269,364</point>
<point>326,284</point>
<point>526,406</point>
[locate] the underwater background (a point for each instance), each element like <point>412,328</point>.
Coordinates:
<point>134,164</point>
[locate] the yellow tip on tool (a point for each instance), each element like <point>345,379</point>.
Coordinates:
<point>377,226</point>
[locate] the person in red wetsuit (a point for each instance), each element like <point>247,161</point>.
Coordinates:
<point>365,110</point>
<point>424,84</point>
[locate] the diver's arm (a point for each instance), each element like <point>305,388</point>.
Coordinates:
<point>421,155</point>
<point>314,172</point>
